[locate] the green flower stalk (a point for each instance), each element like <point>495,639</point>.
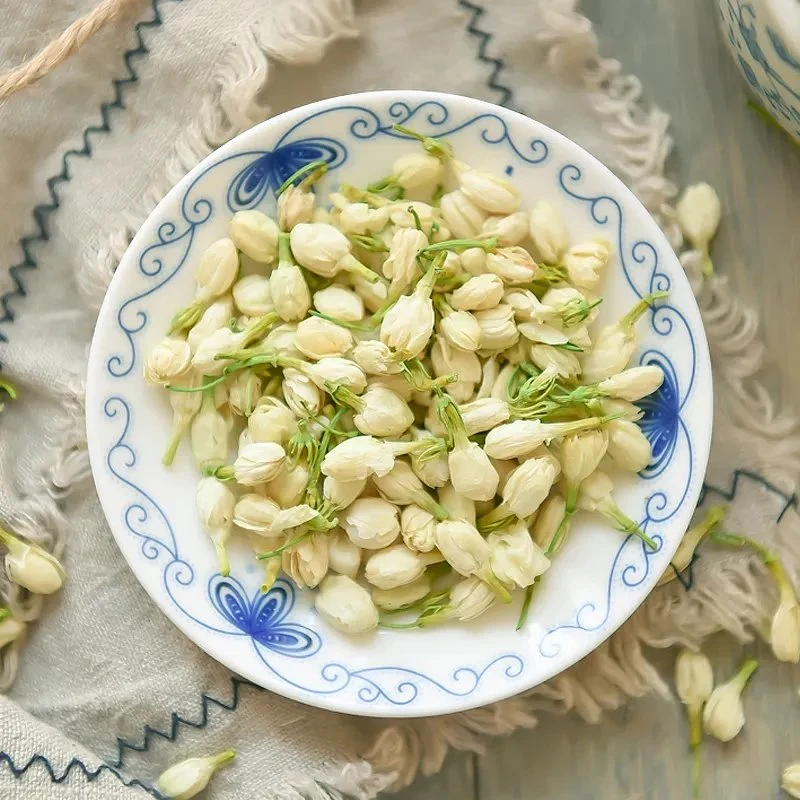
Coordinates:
<point>685,554</point>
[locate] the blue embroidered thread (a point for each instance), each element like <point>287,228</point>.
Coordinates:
<point>505,94</point>
<point>75,765</point>
<point>178,722</point>
<point>42,212</point>
<point>789,500</point>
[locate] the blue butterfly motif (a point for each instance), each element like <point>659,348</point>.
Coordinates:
<point>264,616</point>
<point>269,171</point>
<point>661,418</point>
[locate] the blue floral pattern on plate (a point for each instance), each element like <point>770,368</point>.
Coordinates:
<point>279,626</point>
<point>769,68</point>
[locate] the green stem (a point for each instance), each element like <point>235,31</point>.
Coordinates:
<point>436,147</point>
<point>624,524</point>
<point>427,503</point>
<point>526,605</point>
<point>355,267</point>
<point>499,517</point>
<point>366,327</point>
<point>187,317</point>
<point>311,167</point>
<point>178,432</point>
<point>489,243</point>
<point>491,580</point>
<point>285,546</point>
<point>745,672</point>
<point>630,319</point>
<point>284,250</point>
<point>695,741</point>
<point>563,526</point>
<point>5,613</point>
<point>370,243</point>
<point>8,388</point>
<point>222,556</point>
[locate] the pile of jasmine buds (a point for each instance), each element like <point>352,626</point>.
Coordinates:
<point>418,400</point>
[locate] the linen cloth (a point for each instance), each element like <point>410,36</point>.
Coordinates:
<point>108,693</point>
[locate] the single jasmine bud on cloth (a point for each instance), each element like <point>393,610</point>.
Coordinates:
<point>790,780</point>
<point>694,682</point>
<point>188,778</point>
<point>785,631</point>
<point>216,273</point>
<point>215,505</point>
<point>346,605</point>
<point>256,235</point>
<point>30,566</point>
<point>10,628</point>
<point>723,715</point>
<point>699,212</point>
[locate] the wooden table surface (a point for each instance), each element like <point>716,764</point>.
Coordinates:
<point>639,752</point>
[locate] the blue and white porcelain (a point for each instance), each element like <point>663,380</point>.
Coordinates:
<point>276,639</point>
<point>764,38</point>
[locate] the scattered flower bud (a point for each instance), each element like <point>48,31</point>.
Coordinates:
<point>473,261</point>
<point>281,341</point>
<point>344,557</point>
<point>375,358</point>
<point>498,331</point>
<point>360,219</point>
<point>289,488</point>
<point>684,555</point>
<point>515,558</point>
<point>408,324</point>
<point>416,171</point>
<point>509,231</point>
<point>190,777</point>
<point>463,547</point>
<point>325,251</point>
<point>215,504</point>
<point>169,359</point>
<point>405,214</point>
<point>615,344</point>
<point>492,194</point>
<point>307,562</point>
<point>448,360</point>
<point>339,494</point>
<point>401,265</point>
<point>271,421</point>
<point>521,437</point>
<point>258,463</point>
<point>628,446</point>
<point>699,212</point>
<point>581,454</point>
<point>288,287</point>
<point>10,628</point>
<point>461,215</point>
<point>395,566</point>
<point>402,596</point>
<point>548,233</point>
<point>317,338</point>
<point>402,487</point>
<point>433,471</point>
<point>458,506</point>
<point>252,295</point>
<point>723,714</point>
<point>694,682</point>
<point>333,369</point>
<point>301,394</point>
<point>565,363</point>
<point>371,523</point>
<point>633,384</point>
<point>382,413</point>
<point>256,235</point>
<point>358,458</point>
<point>478,294</point>
<point>460,328</point>
<point>209,434</point>
<point>785,631</point>
<point>345,605</point>
<point>551,512</point>
<point>790,780</point>
<point>339,303</point>
<point>30,566</point>
<point>483,415</point>
<point>295,205</point>
<point>471,471</point>
<point>513,265</point>
<point>470,598</point>
<point>244,392</point>
<point>216,316</point>
<point>418,528</point>
<point>585,262</point>
<point>528,486</point>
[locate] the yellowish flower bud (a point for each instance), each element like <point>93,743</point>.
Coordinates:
<point>628,446</point>
<point>333,369</point>
<point>463,547</point>
<point>488,192</point>
<point>585,262</point>
<point>371,523</point>
<point>483,415</point>
<point>383,413</point>
<point>565,363</point>
<point>295,205</point>
<point>340,303</point>
<point>633,384</point>
<point>301,394</point>
<point>461,329</point>
<point>209,435</point>
<point>256,235</point>
<point>317,338</point>
<point>402,596</point>
<point>401,266</point>
<point>344,557</point>
<point>478,294</point>
<point>395,566</point>
<point>418,528</point>
<point>169,359</point>
<point>190,777</point>
<point>528,486</point>
<point>307,562</point>
<point>417,171</point>
<point>551,512</point>
<point>258,463</point>
<point>215,504</point>
<point>244,391</point>
<point>513,265</point>
<point>360,219</point>
<point>471,471</point>
<point>345,605</point>
<point>252,295</point>
<point>357,458</point>
<point>723,714</point>
<point>271,421</point>
<point>548,233</point>
<point>30,566</point>
<point>699,212</point>
<point>461,215</point>
<point>515,559</point>
<point>498,331</point>
<point>375,358</point>
<point>790,780</point>
<point>509,230</point>
<point>289,488</point>
<point>11,628</point>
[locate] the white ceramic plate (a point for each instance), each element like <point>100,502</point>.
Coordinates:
<point>277,640</point>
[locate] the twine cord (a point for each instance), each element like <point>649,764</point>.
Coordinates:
<point>59,50</point>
